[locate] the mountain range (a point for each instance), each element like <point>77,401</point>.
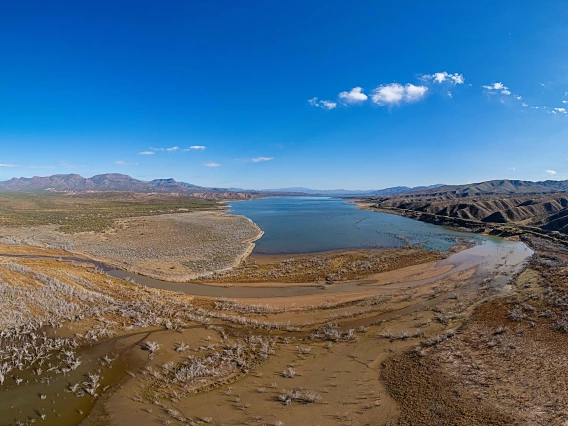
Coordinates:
<point>354,193</point>
<point>494,187</point>
<point>120,182</point>
<point>115,182</point>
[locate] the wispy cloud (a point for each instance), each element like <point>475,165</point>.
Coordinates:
<point>394,94</point>
<point>444,77</point>
<point>124,163</point>
<point>41,167</point>
<point>322,104</point>
<point>8,165</point>
<point>511,168</point>
<point>354,96</point>
<point>173,148</point>
<point>550,172</point>
<point>195,147</point>
<point>156,149</point>
<point>496,88</point>
<point>146,153</point>
<point>212,165</point>
<point>260,159</point>
<point>561,110</point>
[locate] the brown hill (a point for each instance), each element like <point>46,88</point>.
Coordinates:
<point>548,212</point>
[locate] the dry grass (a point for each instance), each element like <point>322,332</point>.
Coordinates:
<point>91,211</point>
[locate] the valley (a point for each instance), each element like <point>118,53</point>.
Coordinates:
<point>331,337</point>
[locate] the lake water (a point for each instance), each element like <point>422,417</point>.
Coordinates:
<point>313,224</point>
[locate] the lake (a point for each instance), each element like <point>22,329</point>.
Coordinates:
<point>314,224</point>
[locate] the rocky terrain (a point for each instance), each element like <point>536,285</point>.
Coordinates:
<point>502,367</point>
<point>487,204</point>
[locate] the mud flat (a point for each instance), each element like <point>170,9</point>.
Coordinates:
<point>113,351</point>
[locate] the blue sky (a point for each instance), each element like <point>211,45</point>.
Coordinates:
<point>267,94</point>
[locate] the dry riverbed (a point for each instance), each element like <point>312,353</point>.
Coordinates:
<point>351,337</point>
<point>103,351</point>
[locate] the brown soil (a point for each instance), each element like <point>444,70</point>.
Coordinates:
<point>340,265</point>
<point>505,365</point>
<point>347,357</point>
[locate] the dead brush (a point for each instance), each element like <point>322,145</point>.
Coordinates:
<point>298,395</point>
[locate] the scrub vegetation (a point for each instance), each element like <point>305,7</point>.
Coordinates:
<point>90,212</point>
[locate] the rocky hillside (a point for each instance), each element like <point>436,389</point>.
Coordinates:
<point>549,212</point>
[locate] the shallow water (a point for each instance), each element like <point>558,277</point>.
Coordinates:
<point>313,224</point>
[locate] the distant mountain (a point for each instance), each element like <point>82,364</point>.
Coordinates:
<point>348,192</point>
<point>115,182</point>
<point>493,187</point>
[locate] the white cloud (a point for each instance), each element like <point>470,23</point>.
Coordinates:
<point>450,94</point>
<point>562,110</point>
<point>355,95</point>
<point>197,147</point>
<point>505,92</point>
<point>511,168</point>
<point>394,94</point>
<point>565,102</point>
<point>328,104</point>
<point>259,159</point>
<point>124,163</point>
<point>212,165</point>
<point>496,86</point>
<point>441,77</point>
<point>415,93</point>
<point>550,172</point>
<point>8,165</point>
<point>156,149</point>
<point>526,105</point>
<point>519,98</point>
<point>146,153</point>
<point>322,104</point>
<point>173,148</point>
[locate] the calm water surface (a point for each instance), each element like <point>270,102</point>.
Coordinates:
<point>313,224</point>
